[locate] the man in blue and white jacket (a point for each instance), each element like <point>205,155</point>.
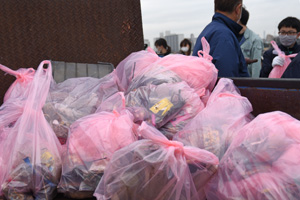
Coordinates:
<point>223,36</point>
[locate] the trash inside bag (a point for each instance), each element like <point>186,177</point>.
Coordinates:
<point>198,72</point>
<point>192,106</point>
<point>93,140</point>
<point>156,168</point>
<point>32,149</point>
<point>157,104</point>
<point>261,162</point>
<point>133,65</point>
<point>76,98</point>
<point>217,124</point>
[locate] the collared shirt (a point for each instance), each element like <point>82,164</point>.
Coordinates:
<point>222,35</point>
<point>252,47</point>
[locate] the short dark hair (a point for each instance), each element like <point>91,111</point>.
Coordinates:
<point>185,42</point>
<point>226,5</point>
<point>292,22</point>
<point>163,42</point>
<point>245,16</point>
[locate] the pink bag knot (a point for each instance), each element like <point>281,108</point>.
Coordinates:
<point>176,144</point>
<point>205,55</point>
<point>23,77</point>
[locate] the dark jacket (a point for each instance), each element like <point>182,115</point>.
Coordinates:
<point>269,55</point>
<point>293,70</point>
<point>222,35</point>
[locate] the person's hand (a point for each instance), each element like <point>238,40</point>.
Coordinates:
<point>278,61</point>
<point>250,61</point>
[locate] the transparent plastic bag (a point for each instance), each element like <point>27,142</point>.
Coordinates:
<point>155,74</point>
<point>157,104</point>
<point>262,161</point>
<point>198,72</point>
<point>217,124</point>
<point>15,97</point>
<point>20,87</point>
<point>75,98</point>
<point>133,65</point>
<point>115,102</point>
<point>192,106</point>
<point>92,141</point>
<point>32,151</point>
<point>156,168</point>
<point>11,110</point>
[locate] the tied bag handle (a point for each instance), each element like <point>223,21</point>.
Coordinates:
<point>17,74</point>
<point>281,53</point>
<point>40,87</point>
<point>21,77</point>
<point>277,49</point>
<point>206,49</point>
<point>277,72</point>
<point>201,155</point>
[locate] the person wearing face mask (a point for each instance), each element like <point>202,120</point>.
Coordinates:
<point>289,31</point>
<point>185,47</point>
<point>223,37</point>
<point>162,48</point>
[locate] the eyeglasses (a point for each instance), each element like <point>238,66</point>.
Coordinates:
<point>287,33</point>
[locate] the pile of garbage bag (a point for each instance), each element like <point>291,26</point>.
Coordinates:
<point>154,128</point>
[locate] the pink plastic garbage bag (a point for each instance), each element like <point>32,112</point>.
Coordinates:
<point>5,130</point>
<point>278,71</point>
<point>92,141</point>
<point>154,74</point>
<point>193,105</point>
<point>215,126</point>
<point>32,151</point>
<point>262,162</point>
<point>156,168</point>
<point>11,110</point>
<point>15,96</point>
<point>114,102</point>
<point>76,98</point>
<point>20,87</point>
<point>199,72</point>
<point>157,104</point>
<point>133,65</point>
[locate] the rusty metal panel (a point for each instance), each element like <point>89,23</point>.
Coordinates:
<point>81,31</point>
<point>266,100</point>
<point>268,95</point>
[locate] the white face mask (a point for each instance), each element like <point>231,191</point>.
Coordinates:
<point>287,40</point>
<point>184,49</point>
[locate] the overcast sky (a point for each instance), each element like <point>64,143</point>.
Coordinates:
<point>191,16</point>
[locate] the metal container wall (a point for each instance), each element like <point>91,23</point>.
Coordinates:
<point>81,31</point>
<point>267,95</point>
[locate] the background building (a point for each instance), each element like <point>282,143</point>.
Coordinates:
<point>174,40</point>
